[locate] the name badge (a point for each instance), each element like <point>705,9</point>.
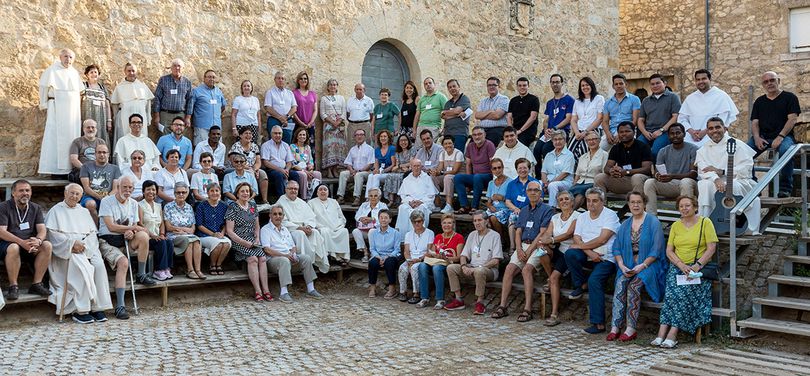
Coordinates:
<point>173,91</point>
<point>477,250</point>
<point>428,106</point>
<point>97,102</point>
<point>404,113</point>
<point>521,198</point>
<point>449,168</point>
<point>25,226</point>
<point>556,111</point>
<point>176,147</point>
<point>529,224</point>
<point>379,116</point>
<point>627,167</point>
<point>428,163</point>
<point>557,162</point>
<point>213,101</point>
<point>382,166</point>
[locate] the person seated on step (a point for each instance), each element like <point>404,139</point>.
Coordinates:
<point>83,149</point>
<point>359,163</point>
<point>478,159</point>
<point>284,256</point>
<point>417,241</point>
<point>712,164</point>
<point>366,219</point>
<point>511,151</point>
<point>516,197</point>
<point>450,162</point>
<point>78,261</point>
<point>639,251</point>
<point>118,231</point>
<point>385,160</point>
<point>384,245</point>
<point>209,216</point>
<point>300,220</point>
<point>679,174</point>
<point>417,193</point>
<point>479,262</point>
<point>687,304</point>
<point>556,240</point>
<point>180,222</point>
<point>445,250</point>
<point>22,238</point>
<point>332,224</point>
<point>531,223</point>
<point>557,173</point>
<point>99,179</point>
<point>592,248</point>
<point>628,164</point>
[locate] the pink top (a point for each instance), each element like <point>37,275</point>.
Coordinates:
<point>306,105</point>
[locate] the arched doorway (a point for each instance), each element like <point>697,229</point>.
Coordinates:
<point>384,66</point>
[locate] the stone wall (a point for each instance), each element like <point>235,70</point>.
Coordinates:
<point>243,39</point>
<point>747,38</point>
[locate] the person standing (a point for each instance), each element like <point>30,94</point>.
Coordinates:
<point>456,116</point>
<point>407,114</point>
<point>280,104</point>
<point>246,113</point>
<point>333,113</point>
<point>523,111</point>
<point>131,96</point>
<point>96,102</point>
<point>359,110</point>
<point>172,94</point>
<point>558,117</point>
<point>384,114</point>
<point>586,116</point>
<point>205,107</point>
<point>706,102</point>
<point>491,111</point>
<point>307,101</point>
<point>658,112</point>
<point>60,94</point>
<point>620,107</point>
<point>429,109</point>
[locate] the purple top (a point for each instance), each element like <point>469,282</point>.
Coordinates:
<point>481,157</point>
<point>306,105</point>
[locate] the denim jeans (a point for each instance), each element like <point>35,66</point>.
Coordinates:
<point>576,260</point>
<point>786,175</point>
<point>477,181</point>
<point>659,143</point>
<point>439,275</point>
<point>278,182</point>
<point>459,141</point>
<point>286,135</point>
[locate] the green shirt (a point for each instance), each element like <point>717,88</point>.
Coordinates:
<point>384,116</point>
<point>430,110</point>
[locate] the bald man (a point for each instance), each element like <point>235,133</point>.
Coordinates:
<point>280,105</point>
<point>359,110</point>
<point>772,119</point>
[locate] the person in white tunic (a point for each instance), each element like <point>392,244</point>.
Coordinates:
<point>417,193</point>
<point>76,258</point>
<point>712,161</point>
<point>707,101</point>
<point>300,220</point>
<point>331,223</point>
<point>60,94</point>
<point>130,142</point>
<point>131,96</point>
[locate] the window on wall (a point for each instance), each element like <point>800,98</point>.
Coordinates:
<point>800,29</point>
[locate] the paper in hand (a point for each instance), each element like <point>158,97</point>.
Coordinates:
<point>681,280</point>
<point>661,168</point>
<point>466,114</point>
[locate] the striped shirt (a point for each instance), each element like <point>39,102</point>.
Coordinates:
<point>172,95</point>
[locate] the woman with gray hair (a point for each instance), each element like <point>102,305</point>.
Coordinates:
<point>138,174</point>
<point>333,110</point>
<point>167,177</point>
<point>366,219</point>
<point>417,242</point>
<point>556,240</point>
<point>178,217</point>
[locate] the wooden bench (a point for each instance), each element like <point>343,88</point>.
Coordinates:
<point>5,183</point>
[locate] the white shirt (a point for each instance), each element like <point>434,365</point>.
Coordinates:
<point>589,229</point>
<point>279,240</point>
<point>510,155</point>
<point>218,153</point>
<point>418,188</point>
<point>480,249</point>
<point>111,207</point>
<point>418,244</point>
<point>282,100</point>
<point>246,110</point>
<point>167,180</point>
<point>129,143</point>
<point>561,227</point>
<point>201,181</point>
<point>360,156</point>
<point>360,109</point>
<point>699,107</point>
<point>137,191</point>
<point>588,110</point>
<point>365,210</point>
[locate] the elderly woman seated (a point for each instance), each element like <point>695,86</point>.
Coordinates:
<point>178,216</point>
<point>210,218</point>
<point>691,245</point>
<point>366,218</point>
<point>384,244</point>
<point>417,242</point>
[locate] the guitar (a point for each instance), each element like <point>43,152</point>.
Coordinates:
<point>724,202</point>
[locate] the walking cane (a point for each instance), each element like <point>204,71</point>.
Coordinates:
<point>131,278</point>
<point>64,290</point>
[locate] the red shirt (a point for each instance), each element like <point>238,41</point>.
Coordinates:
<point>450,246</point>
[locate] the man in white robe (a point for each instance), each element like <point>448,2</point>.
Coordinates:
<point>77,260</point>
<point>129,143</point>
<point>417,193</point>
<point>131,96</point>
<point>300,220</point>
<point>712,161</point>
<point>706,102</point>
<point>60,90</point>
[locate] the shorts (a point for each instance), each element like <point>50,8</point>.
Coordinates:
<point>208,243</point>
<point>501,215</point>
<point>534,259</point>
<point>558,262</point>
<point>110,253</point>
<point>86,198</point>
<point>115,240</point>
<point>24,255</point>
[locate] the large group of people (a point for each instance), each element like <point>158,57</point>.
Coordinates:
<point>167,197</point>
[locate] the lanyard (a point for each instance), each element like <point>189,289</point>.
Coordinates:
<point>22,219</point>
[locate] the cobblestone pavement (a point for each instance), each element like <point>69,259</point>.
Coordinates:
<point>346,333</point>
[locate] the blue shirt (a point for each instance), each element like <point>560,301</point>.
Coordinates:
<point>171,95</point>
<point>212,217</point>
<point>392,150</point>
<point>205,106</point>
<point>493,189</point>
<point>554,165</point>
<point>231,180</point>
<point>516,192</point>
<point>557,109</point>
<point>532,220</point>
<point>621,111</point>
<point>384,244</point>
<point>168,142</point>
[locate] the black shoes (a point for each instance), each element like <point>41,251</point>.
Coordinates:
<point>39,289</point>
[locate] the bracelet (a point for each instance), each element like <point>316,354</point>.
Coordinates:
<point>699,263</point>
<point>780,135</point>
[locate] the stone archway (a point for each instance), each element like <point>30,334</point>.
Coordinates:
<point>385,66</point>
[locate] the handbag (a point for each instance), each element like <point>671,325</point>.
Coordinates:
<point>709,270</point>
<point>435,261</point>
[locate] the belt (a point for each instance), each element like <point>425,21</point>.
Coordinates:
<point>174,112</point>
<point>359,121</point>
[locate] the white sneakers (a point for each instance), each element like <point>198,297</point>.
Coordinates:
<point>667,344</point>
<point>447,209</point>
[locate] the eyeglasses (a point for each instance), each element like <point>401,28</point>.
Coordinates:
<point>136,122</point>
<point>206,161</point>
<point>277,214</point>
<point>418,221</point>
<point>238,162</point>
<point>136,158</point>
<point>492,85</point>
<point>178,123</point>
<point>497,168</point>
<point>532,189</point>
<point>180,193</point>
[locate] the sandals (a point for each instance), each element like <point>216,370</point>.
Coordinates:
<point>258,297</point>
<point>525,316</point>
<point>192,275</point>
<point>268,296</point>
<point>552,321</point>
<point>212,270</point>
<point>464,210</point>
<point>201,275</point>
<point>499,313</point>
<point>219,270</point>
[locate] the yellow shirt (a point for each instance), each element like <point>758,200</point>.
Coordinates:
<point>686,239</point>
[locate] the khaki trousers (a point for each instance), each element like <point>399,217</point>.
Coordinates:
<point>620,185</point>
<point>674,188</point>
<point>284,268</point>
<point>480,275</point>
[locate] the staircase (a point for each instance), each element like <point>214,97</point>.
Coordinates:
<point>786,309</point>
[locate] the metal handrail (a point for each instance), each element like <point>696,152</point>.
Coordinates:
<point>803,150</point>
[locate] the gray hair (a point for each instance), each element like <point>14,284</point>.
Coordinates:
<point>73,185</point>
<point>416,215</point>
<point>559,133</point>
<point>291,182</point>
<point>596,191</point>
<point>178,61</point>
<point>137,151</point>
<point>564,193</point>
<point>180,184</point>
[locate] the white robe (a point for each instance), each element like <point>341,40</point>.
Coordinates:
<point>699,107</point>
<point>415,188</point>
<point>716,155</point>
<point>132,98</point>
<point>88,287</point>
<point>332,225</point>
<point>60,93</point>
<point>2,302</point>
<point>298,213</point>
<point>129,143</point>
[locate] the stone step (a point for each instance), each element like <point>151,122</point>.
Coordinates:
<point>789,327</point>
<point>798,259</point>
<point>784,302</point>
<point>789,280</point>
